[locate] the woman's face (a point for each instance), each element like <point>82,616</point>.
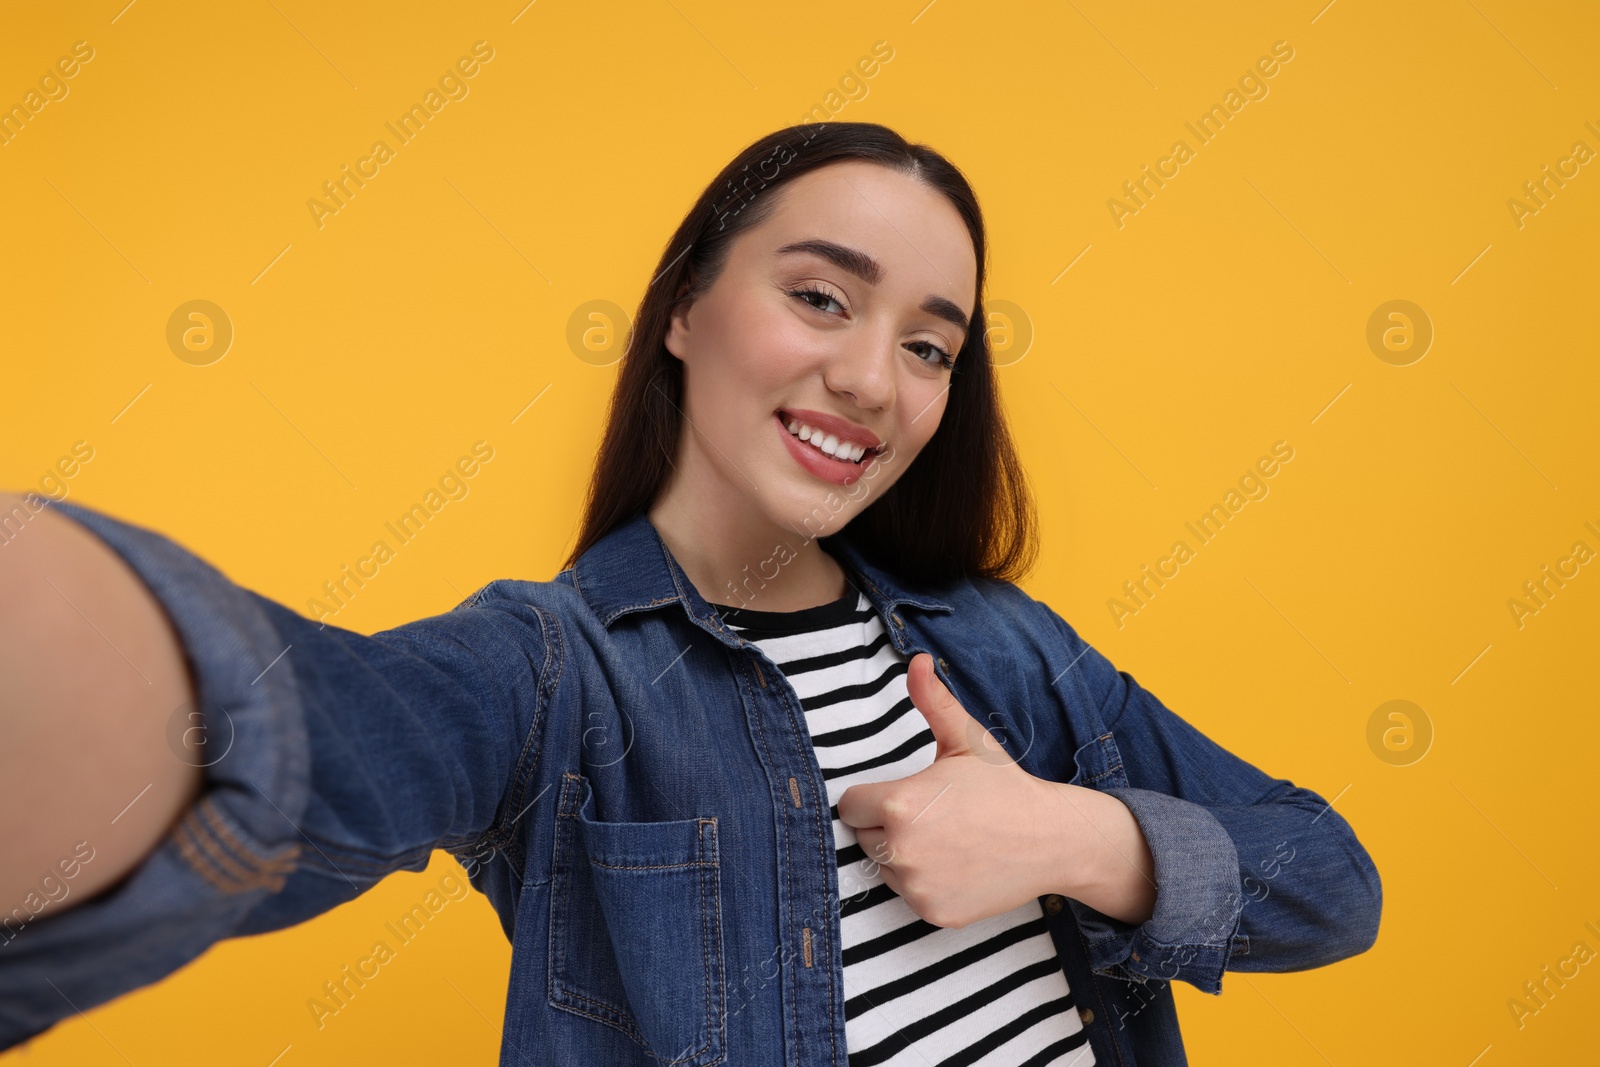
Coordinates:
<point>840,312</point>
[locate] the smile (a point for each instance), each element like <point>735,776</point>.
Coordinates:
<point>824,455</point>
<point>826,443</point>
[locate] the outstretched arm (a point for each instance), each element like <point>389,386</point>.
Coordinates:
<point>330,758</point>
<point>91,672</point>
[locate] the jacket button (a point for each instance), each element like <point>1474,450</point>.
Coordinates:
<point>896,619</point>
<point>1052,903</point>
<point>1087,1015</point>
<point>943,666</point>
<point>1135,956</point>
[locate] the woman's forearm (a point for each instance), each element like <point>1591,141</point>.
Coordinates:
<point>91,676</point>
<point>1109,867</point>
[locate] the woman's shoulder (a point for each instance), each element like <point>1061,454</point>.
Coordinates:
<point>558,594</point>
<point>990,596</point>
<point>1004,616</point>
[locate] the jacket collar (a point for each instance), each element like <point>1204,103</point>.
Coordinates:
<point>631,569</point>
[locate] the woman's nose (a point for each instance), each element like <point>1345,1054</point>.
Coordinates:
<point>864,371</point>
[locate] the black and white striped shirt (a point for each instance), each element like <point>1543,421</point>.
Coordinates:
<point>991,993</point>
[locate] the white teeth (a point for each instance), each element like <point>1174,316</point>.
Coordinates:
<point>827,443</point>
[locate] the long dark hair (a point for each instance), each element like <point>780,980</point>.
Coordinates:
<point>961,509</point>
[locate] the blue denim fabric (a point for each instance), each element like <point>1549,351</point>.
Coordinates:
<point>632,786</point>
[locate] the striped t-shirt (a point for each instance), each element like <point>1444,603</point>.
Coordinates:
<point>991,993</point>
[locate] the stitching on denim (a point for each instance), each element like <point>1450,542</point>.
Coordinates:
<point>205,855</point>
<point>637,605</point>
<point>648,866</point>
<point>565,828</point>
<point>742,678</point>
<point>1098,993</point>
<point>926,604</point>
<point>1101,741</point>
<point>705,940</point>
<point>620,1024</point>
<point>824,833</point>
<point>501,834</point>
<point>1166,945</point>
<point>714,934</point>
<point>265,869</point>
<point>222,834</point>
<point>561,995</point>
<point>219,824</point>
<point>1104,774</point>
<point>183,839</point>
<point>506,839</point>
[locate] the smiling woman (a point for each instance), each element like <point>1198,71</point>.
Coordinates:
<point>660,787</point>
<point>845,295</point>
<point>852,294</point>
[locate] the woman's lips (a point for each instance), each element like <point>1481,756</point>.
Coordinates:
<point>824,466</point>
<point>842,428</point>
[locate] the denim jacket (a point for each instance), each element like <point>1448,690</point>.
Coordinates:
<point>632,786</point>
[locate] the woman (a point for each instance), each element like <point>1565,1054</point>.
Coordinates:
<point>782,767</point>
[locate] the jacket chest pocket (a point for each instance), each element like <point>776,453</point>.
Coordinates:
<point>1099,764</point>
<point>636,928</point>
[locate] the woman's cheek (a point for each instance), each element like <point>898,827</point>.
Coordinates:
<point>933,396</point>
<point>789,340</point>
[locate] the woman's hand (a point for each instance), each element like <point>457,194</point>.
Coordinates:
<point>93,675</point>
<point>974,835</point>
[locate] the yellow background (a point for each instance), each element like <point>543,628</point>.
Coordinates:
<point>1229,313</point>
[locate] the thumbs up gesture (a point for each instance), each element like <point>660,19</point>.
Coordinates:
<point>974,835</point>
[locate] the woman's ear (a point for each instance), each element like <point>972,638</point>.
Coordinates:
<point>677,339</point>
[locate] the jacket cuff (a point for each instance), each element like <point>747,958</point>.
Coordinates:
<point>234,846</point>
<point>1194,928</point>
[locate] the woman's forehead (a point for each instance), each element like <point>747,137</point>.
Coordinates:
<point>908,229</point>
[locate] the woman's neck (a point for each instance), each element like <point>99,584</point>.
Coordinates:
<point>772,571</point>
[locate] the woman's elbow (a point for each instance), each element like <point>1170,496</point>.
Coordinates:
<point>1367,916</point>
<point>1358,912</point>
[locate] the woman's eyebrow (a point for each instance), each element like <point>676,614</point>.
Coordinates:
<point>869,270</point>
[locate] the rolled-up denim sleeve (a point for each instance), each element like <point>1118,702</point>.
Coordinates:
<point>331,759</point>
<point>1193,930</point>
<point>1253,873</point>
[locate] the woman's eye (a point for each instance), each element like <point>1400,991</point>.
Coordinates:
<point>934,355</point>
<point>825,298</point>
<point>941,358</point>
